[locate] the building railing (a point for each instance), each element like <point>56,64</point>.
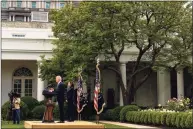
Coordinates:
<point>17,24</point>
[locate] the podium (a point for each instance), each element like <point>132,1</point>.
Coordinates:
<point>48,114</point>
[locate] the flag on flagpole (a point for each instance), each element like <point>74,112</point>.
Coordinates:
<point>79,92</point>
<point>97,90</point>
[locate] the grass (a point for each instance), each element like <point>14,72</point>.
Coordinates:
<point>4,124</point>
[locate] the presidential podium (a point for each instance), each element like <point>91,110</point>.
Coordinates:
<point>49,93</point>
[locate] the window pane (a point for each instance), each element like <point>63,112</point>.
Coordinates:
<point>61,5</point>
<point>30,80</point>
<point>3,4</point>
<point>33,4</point>
<point>19,3</point>
<point>47,5</point>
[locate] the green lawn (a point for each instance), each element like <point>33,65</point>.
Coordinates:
<point>15,126</point>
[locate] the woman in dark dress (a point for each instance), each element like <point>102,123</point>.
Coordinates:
<point>70,101</point>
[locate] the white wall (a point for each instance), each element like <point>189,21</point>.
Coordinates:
<point>8,67</point>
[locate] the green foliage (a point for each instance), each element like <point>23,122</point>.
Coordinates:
<point>38,112</point>
<point>24,110</point>
<point>95,28</point>
<point>108,115</point>
<point>116,113</point>
<point>125,109</point>
<point>168,119</point>
<point>30,101</point>
<point>182,120</point>
<point>163,118</point>
<point>189,121</point>
<point>178,104</point>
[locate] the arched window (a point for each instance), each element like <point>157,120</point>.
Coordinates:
<point>22,72</point>
<point>22,81</point>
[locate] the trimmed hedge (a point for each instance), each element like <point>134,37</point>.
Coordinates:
<point>30,101</point>
<point>125,109</point>
<point>171,119</point>
<point>24,110</point>
<point>38,112</point>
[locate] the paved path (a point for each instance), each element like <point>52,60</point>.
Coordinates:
<point>133,125</point>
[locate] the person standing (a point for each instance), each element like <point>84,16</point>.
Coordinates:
<point>60,90</point>
<point>16,109</point>
<point>70,101</point>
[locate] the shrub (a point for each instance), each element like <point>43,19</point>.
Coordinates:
<point>56,111</point>
<point>116,113</point>
<point>43,102</point>
<point>178,120</point>
<point>163,118</point>
<point>30,101</point>
<point>173,119</point>
<point>125,109</point>
<point>178,104</point>
<point>38,112</point>
<point>24,110</point>
<point>189,121</point>
<point>158,118</point>
<point>168,119</point>
<point>153,117</point>
<point>183,120</point>
<point>108,114</point>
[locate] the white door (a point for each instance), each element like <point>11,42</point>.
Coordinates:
<point>23,86</point>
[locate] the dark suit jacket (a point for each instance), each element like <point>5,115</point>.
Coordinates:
<point>60,90</point>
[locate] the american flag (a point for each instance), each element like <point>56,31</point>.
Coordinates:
<point>97,87</point>
<point>79,91</point>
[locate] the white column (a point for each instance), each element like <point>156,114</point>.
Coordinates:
<point>9,17</point>
<point>180,83</point>
<point>13,17</point>
<point>163,87</point>
<point>28,19</point>
<point>124,77</point>
<point>24,18</point>
<point>40,87</point>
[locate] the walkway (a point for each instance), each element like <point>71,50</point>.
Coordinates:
<point>134,125</point>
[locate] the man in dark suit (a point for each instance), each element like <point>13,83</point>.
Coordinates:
<point>60,97</point>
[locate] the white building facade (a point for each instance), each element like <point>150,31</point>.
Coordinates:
<point>23,42</point>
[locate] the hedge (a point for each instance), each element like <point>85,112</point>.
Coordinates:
<point>24,110</point>
<point>38,112</point>
<point>171,119</point>
<point>125,109</point>
<point>30,101</point>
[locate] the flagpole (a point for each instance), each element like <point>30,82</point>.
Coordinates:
<point>97,68</point>
<point>78,93</point>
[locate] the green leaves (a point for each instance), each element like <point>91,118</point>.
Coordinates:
<point>112,28</point>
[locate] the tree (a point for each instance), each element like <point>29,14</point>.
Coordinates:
<point>110,29</point>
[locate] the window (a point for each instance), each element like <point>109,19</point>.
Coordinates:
<point>28,87</point>
<point>33,4</point>
<point>23,81</point>
<point>19,3</point>
<point>47,5</point>
<point>22,72</point>
<point>61,5</point>
<point>39,16</point>
<point>3,3</point>
<point>17,86</point>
